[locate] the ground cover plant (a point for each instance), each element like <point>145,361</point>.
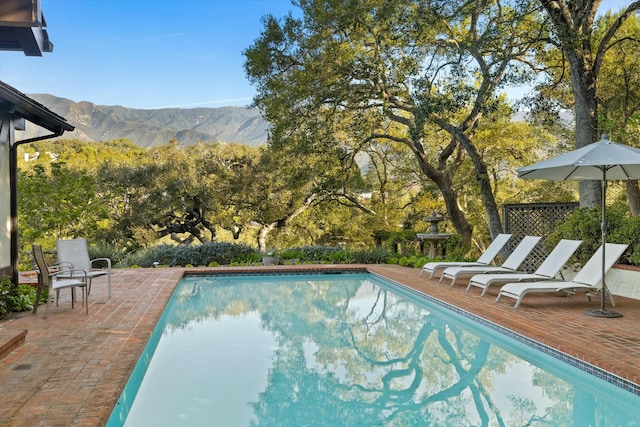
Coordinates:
<point>15,298</point>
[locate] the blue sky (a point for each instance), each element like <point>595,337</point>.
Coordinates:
<point>144,53</point>
<point>149,53</point>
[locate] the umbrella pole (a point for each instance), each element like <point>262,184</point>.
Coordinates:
<point>603,226</point>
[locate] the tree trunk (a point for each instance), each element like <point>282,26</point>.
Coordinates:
<point>573,22</point>
<point>456,215</point>
<point>482,175</point>
<point>443,180</point>
<point>283,222</point>
<point>583,82</point>
<point>235,231</point>
<point>263,234</point>
<point>493,214</point>
<point>633,194</point>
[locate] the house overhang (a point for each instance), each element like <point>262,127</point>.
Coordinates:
<point>22,27</point>
<point>14,103</point>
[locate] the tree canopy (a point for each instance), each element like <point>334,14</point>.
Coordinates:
<point>423,77</point>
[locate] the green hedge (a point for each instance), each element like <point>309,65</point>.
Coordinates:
<point>202,255</point>
<point>585,224</point>
<point>213,254</point>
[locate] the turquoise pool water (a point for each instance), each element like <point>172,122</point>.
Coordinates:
<point>347,350</point>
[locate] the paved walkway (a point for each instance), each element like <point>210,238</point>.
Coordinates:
<point>72,367</point>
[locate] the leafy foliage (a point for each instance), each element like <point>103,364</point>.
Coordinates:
<point>410,84</point>
<point>371,256</point>
<point>317,253</point>
<point>102,249</point>
<point>200,255</point>
<point>57,202</point>
<point>415,261</point>
<point>15,298</point>
<point>581,64</point>
<point>214,254</point>
<point>585,224</point>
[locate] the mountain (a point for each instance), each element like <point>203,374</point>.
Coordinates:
<point>153,127</point>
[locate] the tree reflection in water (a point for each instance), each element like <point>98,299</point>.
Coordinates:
<point>354,353</point>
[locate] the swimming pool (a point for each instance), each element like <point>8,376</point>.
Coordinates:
<point>347,349</point>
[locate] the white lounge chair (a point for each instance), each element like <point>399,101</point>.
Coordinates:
<point>586,280</point>
<point>485,259</point>
<point>548,270</point>
<point>510,265</point>
<point>75,252</point>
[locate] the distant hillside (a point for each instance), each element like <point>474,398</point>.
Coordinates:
<point>153,127</point>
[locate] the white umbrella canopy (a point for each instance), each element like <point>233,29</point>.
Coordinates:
<point>601,161</point>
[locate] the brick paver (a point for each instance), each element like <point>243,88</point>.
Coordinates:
<point>72,367</point>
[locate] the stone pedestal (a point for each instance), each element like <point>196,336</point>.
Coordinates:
<point>432,239</point>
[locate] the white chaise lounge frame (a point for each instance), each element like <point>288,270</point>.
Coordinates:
<point>486,258</point>
<point>548,270</point>
<point>586,280</point>
<point>510,265</point>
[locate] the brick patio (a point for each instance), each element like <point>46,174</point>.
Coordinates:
<point>70,368</point>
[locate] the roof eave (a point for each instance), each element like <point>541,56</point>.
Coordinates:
<point>15,102</point>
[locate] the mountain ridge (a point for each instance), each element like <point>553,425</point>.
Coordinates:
<point>145,128</point>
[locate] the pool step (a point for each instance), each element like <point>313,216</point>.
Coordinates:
<point>10,340</point>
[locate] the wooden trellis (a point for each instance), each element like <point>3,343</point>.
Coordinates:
<point>534,219</point>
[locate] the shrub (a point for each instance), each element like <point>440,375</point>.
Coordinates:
<point>216,253</point>
<point>585,224</point>
<point>15,298</point>
<point>415,261</point>
<point>292,254</point>
<point>455,249</point>
<point>104,250</point>
<point>315,253</point>
<point>371,256</point>
<point>339,257</point>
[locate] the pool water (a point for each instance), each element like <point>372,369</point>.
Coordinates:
<point>347,350</point>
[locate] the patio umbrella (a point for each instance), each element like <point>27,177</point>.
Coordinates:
<point>601,161</point>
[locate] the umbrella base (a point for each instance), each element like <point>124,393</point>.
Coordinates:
<point>603,313</point>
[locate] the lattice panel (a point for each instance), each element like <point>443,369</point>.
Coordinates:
<point>534,219</point>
